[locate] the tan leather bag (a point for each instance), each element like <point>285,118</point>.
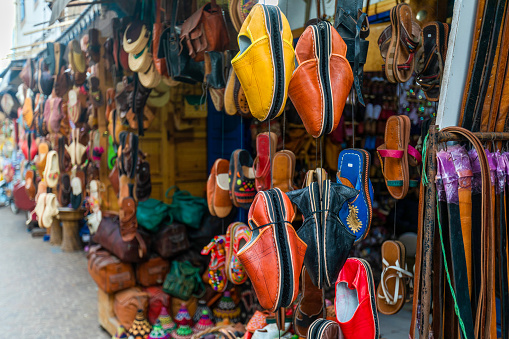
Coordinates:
<point>152,272</point>
<point>127,303</point>
<point>205,30</point>
<point>109,273</point>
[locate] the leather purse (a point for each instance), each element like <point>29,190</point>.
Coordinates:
<point>185,208</point>
<point>109,273</point>
<point>274,243</point>
<point>53,114</point>
<point>266,60</point>
<point>108,236</point>
<point>195,107</point>
<point>178,62</point>
<point>205,30</point>
<point>157,31</point>
<point>171,240</point>
<point>322,81</point>
<point>127,303</point>
<point>27,74</point>
<point>152,272</point>
<point>328,240</point>
<point>184,281</point>
<point>157,299</point>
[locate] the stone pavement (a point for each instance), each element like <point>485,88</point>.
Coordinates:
<point>44,293</point>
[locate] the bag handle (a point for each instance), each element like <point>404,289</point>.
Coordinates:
<point>174,187</point>
<point>142,249</point>
<point>174,11</point>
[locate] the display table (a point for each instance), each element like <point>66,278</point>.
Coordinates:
<point>55,233</point>
<point>70,231</point>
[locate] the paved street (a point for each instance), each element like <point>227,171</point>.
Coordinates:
<point>44,293</point>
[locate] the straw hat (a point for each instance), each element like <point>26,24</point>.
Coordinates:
<point>136,37</point>
<point>158,99</point>
<point>169,81</point>
<point>150,78</point>
<point>140,62</point>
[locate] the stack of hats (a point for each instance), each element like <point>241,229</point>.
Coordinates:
<point>166,321</point>
<point>183,317</point>
<point>141,327</point>
<point>158,332</point>
<point>204,323</point>
<point>202,306</point>
<point>227,309</point>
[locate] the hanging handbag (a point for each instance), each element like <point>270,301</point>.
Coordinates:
<point>151,213</point>
<point>205,30</point>
<point>159,63</point>
<point>195,107</point>
<point>186,208</point>
<point>184,281</point>
<point>180,66</point>
<point>171,240</point>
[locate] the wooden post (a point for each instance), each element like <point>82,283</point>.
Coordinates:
<point>71,240</point>
<point>56,233</point>
<point>429,232</point>
<point>105,313</point>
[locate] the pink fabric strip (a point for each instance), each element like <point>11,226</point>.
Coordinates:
<point>391,153</point>
<point>414,153</point>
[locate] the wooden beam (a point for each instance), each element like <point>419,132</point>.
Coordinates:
<point>60,24</point>
<point>456,63</point>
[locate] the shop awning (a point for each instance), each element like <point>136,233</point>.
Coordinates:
<point>58,6</point>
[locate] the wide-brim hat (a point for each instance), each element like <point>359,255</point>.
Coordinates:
<point>158,99</point>
<point>136,37</point>
<point>150,78</point>
<point>140,62</point>
<point>10,104</point>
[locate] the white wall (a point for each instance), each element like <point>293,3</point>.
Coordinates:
<point>36,12</point>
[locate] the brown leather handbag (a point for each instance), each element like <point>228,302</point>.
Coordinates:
<point>322,81</point>
<point>205,30</point>
<point>109,273</point>
<point>275,244</point>
<point>152,272</point>
<point>171,240</point>
<point>160,63</point>
<point>127,303</point>
<point>108,236</point>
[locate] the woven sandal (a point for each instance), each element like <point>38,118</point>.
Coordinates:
<point>430,58</point>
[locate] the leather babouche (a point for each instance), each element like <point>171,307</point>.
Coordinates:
<point>323,78</point>
<point>273,257</point>
<point>265,62</point>
<point>109,273</point>
<point>328,240</point>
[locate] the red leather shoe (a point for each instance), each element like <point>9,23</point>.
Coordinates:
<point>265,148</point>
<point>355,301</point>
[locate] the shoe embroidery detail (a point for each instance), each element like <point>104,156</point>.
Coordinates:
<point>353,222</point>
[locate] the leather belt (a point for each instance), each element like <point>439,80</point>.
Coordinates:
<point>485,305</point>
<point>492,55</point>
<point>418,259</point>
<point>477,70</point>
<point>473,54</point>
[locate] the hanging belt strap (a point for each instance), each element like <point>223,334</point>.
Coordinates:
<point>483,319</point>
